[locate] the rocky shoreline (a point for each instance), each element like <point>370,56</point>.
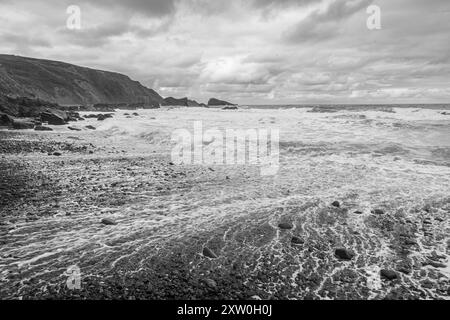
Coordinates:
<point>72,200</point>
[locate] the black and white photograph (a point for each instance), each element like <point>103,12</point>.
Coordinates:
<point>205,150</point>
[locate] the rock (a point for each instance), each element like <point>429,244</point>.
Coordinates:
<point>344,254</point>
<point>22,124</point>
<point>90,127</point>
<point>297,240</point>
<point>101,117</point>
<point>135,114</point>
<point>74,128</point>
<point>54,117</point>
<point>217,102</point>
<point>434,264</point>
<point>255,297</point>
<point>285,225</point>
<point>336,204</point>
<point>388,274</point>
<point>377,211</point>
<point>358,212</point>
<point>58,154</point>
<point>42,128</point>
<point>5,119</point>
<point>208,253</point>
<point>108,221</point>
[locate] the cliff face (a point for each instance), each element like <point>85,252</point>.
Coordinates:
<point>65,83</point>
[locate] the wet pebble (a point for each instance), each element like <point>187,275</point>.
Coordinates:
<point>108,221</point>
<point>336,204</point>
<point>388,274</point>
<point>208,253</point>
<point>344,254</point>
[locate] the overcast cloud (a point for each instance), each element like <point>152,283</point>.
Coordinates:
<point>254,51</point>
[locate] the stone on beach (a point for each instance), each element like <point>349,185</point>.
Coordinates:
<point>208,253</point>
<point>336,204</point>
<point>90,127</point>
<point>22,124</point>
<point>74,128</point>
<point>344,254</point>
<point>297,240</point>
<point>210,283</point>
<point>108,221</point>
<point>43,128</point>
<point>377,211</point>
<point>388,274</point>
<point>285,225</point>
<point>54,117</point>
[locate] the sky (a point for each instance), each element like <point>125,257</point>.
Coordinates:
<point>248,51</point>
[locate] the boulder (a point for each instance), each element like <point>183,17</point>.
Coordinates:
<point>108,221</point>
<point>90,127</point>
<point>42,128</point>
<point>230,108</point>
<point>74,128</point>
<point>54,117</point>
<point>22,124</point>
<point>388,274</point>
<point>336,204</point>
<point>344,254</point>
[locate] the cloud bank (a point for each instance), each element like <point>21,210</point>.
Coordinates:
<point>250,52</point>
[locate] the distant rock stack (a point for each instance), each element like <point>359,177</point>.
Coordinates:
<point>183,102</point>
<point>213,102</point>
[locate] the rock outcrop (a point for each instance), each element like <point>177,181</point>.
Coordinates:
<point>183,102</point>
<point>216,102</point>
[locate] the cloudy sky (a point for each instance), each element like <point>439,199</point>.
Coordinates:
<point>248,51</point>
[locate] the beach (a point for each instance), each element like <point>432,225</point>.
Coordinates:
<point>373,182</point>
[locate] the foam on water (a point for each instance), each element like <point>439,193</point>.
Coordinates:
<point>365,159</point>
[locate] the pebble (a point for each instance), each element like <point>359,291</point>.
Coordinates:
<point>344,254</point>
<point>208,253</point>
<point>388,274</point>
<point>297,240</point>
<point>210,283</point>
<point>108,221</point>
<point>285,225</point>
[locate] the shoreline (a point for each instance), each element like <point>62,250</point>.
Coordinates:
<point>165,215</point>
